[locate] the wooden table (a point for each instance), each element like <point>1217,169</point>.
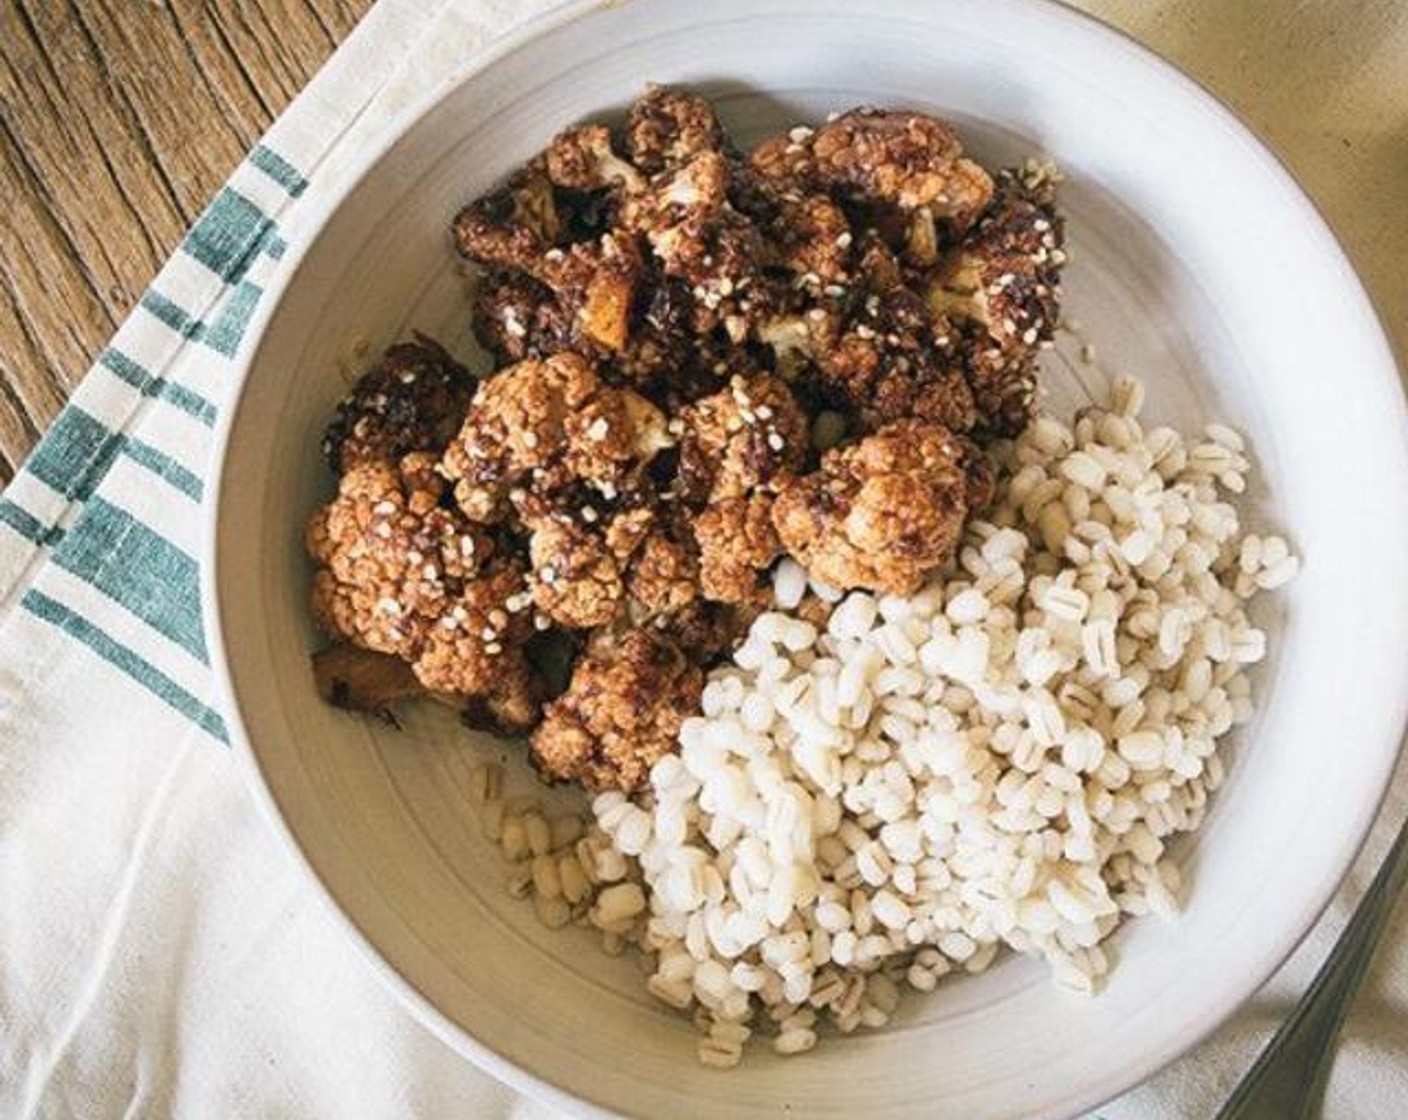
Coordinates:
<point>119,118</point>
<point>118,121</point>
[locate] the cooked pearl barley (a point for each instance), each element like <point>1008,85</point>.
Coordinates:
<point>997,760</point>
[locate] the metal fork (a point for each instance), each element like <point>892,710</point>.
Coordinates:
<point>1288,1080</point>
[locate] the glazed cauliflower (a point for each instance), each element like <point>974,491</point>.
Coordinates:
<point>882,513</point>
<point>740,438</point>
<point>906,159</point>
<point>1001,287</point>
<point>698,237</point>
<point>400,574</point>
<point>681,331</point>
<point>412,400</point>
<point>516,317</point>
<point>621,713</point>
<point>885,358</point>
<point>547,425</point>
<point>663,577</point>
<point>582,159</point>
<point>737,543</point>
<point>513,226</point>
<point>667,127</point>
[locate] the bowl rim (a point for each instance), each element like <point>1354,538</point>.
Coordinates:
<point>1099,1089</point>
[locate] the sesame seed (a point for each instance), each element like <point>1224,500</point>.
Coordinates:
<point>589,514</point>
<point>430,572</point>
<point>1029,335</point>
<point>384,508</point>
<point>763,412</point>
<point>488,633</point>
<point>493,648</point>
<point>498,618</point>
<point>800,134</point>
<point>389,606</point>
<point>541,622</point>
<point>382,529</point>
<point>466,546</point>
<point>530,440</point>
<point>449,622</point>
<point>775,441</point>
<point>547,574</point>
<point>843,241</point>
<point>835,291</point>
<point>598,429</point>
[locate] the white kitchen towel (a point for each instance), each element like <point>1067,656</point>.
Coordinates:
<point>159,954</point>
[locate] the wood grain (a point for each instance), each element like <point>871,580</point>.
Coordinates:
<point>118,120</point>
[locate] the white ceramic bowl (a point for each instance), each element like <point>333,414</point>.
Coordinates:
<point>1196,262</point>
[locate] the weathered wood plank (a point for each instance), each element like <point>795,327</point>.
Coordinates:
<point>118,120</point>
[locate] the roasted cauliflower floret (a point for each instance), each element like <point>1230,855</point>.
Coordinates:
<point>905,159</point>
<point>621,712</point>
<point>884,359</point>
<point>882,513</point>
<point>664,574</point>
<point>516,424</point>
<point>667,127</point>
<point>742,437</point>
<point>737,542</point>
<point>806,233</point>
<point>811,237</point>
<point>411,400</point>
<point>697,236</point>
<point>516,317</point>
<point>598,282</point>
<point>389,559</point>
<point>401,575</point>
<point>611,435</point>
<point>785,162</point>
<point>549,425</point>
<point>582,159</point>
<point>580,557</point>
<point>707,630</point>
<point>1001,286</point>
<point>513,706</point>
<point>513,226</point>
<point>477,639</point>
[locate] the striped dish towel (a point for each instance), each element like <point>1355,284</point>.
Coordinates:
<point>159,956</point>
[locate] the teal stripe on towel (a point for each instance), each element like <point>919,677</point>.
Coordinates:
<point>278,169</point>
<point>137,567</point>
<point>118,655</point>
<point>150,385</point>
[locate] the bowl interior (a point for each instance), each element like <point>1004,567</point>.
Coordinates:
<point>1194,264</point>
